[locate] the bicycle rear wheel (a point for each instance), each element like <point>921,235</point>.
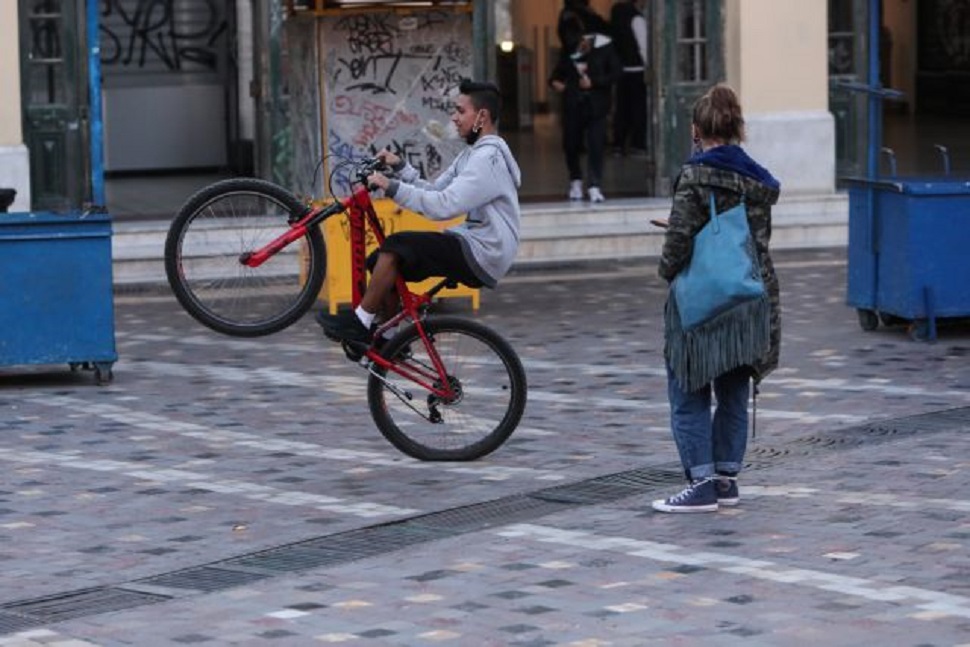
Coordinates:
<point>202,258</point>
<point>484,369</point>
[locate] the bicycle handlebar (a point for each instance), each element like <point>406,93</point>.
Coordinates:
<point>363,169</point>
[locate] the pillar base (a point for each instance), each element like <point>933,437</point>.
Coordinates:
<point>797,147</point>
<point>15,174</point>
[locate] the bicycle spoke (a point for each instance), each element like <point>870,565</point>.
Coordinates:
<point>488,396</point>
<point>207,238</point>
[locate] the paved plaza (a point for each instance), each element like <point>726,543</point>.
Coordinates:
<point>236,492</point>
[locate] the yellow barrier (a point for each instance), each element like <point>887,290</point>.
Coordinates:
<point>336,232</point>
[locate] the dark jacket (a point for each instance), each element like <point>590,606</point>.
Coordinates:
<point>729,173</point>
<point>577,20</point>
<point>603,69</point>
<point>621,26</point>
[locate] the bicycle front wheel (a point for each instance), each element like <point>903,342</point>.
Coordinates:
<point>206,241</point>
<point>489,383</point>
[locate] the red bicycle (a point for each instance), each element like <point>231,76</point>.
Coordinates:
<point>443,388</point>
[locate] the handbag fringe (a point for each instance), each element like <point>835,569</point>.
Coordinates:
<point>737,337</point>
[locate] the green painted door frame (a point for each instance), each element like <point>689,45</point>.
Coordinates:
<point>690,34</point>
<point>483,33</point>
<point>848,63</point>
<point>55,102</point>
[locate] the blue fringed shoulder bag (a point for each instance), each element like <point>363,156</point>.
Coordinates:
<point>718,314</point>
<point>723,269</point>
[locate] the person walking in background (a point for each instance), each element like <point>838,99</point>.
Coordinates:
<point>629,29</point>
<point>712,449</point>
<point>584,76</point>
<point>591,21</point>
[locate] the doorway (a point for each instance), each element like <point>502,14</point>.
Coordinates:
<point>928,58</point>
<point>535,133</point>
<point>925,53</point>
<point>172,107</point>
<point>55,102</point>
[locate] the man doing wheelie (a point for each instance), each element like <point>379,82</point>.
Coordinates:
<point>481,182</point>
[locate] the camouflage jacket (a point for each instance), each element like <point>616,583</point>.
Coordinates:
<point>691,211</point>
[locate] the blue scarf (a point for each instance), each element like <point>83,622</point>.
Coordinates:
<point>731,157</point>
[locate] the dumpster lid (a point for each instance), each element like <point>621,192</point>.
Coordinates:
<point>914,186</point>
<point>51,217</point>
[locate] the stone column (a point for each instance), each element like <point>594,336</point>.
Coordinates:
<point>14,157</point>
<point>777,60</point>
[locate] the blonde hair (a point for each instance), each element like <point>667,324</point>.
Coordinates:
<point>717,115</point>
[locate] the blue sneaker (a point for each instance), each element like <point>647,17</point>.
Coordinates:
<point>727,490</point>
<point>699,496</point>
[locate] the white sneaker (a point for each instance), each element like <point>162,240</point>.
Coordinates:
<point>576,190</point>
<point>595,195</point>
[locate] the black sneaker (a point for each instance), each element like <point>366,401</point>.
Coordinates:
<point>344,326</point>
<point>699,496</point>
<point>727,490</point>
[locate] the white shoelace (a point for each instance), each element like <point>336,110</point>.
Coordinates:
<point>687,491</point>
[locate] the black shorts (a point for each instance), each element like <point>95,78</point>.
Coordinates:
<point>428,253</point>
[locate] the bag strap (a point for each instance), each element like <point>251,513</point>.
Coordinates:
<point>714,223</point>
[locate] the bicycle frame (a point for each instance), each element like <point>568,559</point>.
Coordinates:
<point>361,215</point>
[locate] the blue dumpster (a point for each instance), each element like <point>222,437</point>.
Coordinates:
<point>56,300</point>
<point>909,242</point>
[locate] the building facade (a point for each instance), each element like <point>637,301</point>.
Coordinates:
<point>14,157</point>
<point>242,85</point>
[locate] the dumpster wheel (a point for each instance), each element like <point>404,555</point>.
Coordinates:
<point>868,319</point>
<point>102,370</point>
<point>919,330</point>
<point>103,375</point>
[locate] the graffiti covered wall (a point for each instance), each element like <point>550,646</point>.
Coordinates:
<point>389,80</point>
<point>165,65</point>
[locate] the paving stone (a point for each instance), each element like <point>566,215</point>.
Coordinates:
<point>206,448</point>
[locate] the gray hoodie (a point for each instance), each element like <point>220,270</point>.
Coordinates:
<point>483,183</point>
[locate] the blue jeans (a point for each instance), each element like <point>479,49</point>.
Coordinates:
<point>706,444</point>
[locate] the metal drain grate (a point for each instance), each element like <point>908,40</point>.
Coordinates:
<point>76,604</point>
<point>825,442</point>
<point>376,540</point>
<point>886,430</point>
<point>489,514</point>
<point>11,623</point>
<point>871,432</point>
<point>934,420</point>
<point>585,493</point>
<point>770,452</point>
<point>287,559</point>
<point>646,478</point>
<point>204,578</point>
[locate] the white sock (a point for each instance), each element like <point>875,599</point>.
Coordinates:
<point>366,318</point>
